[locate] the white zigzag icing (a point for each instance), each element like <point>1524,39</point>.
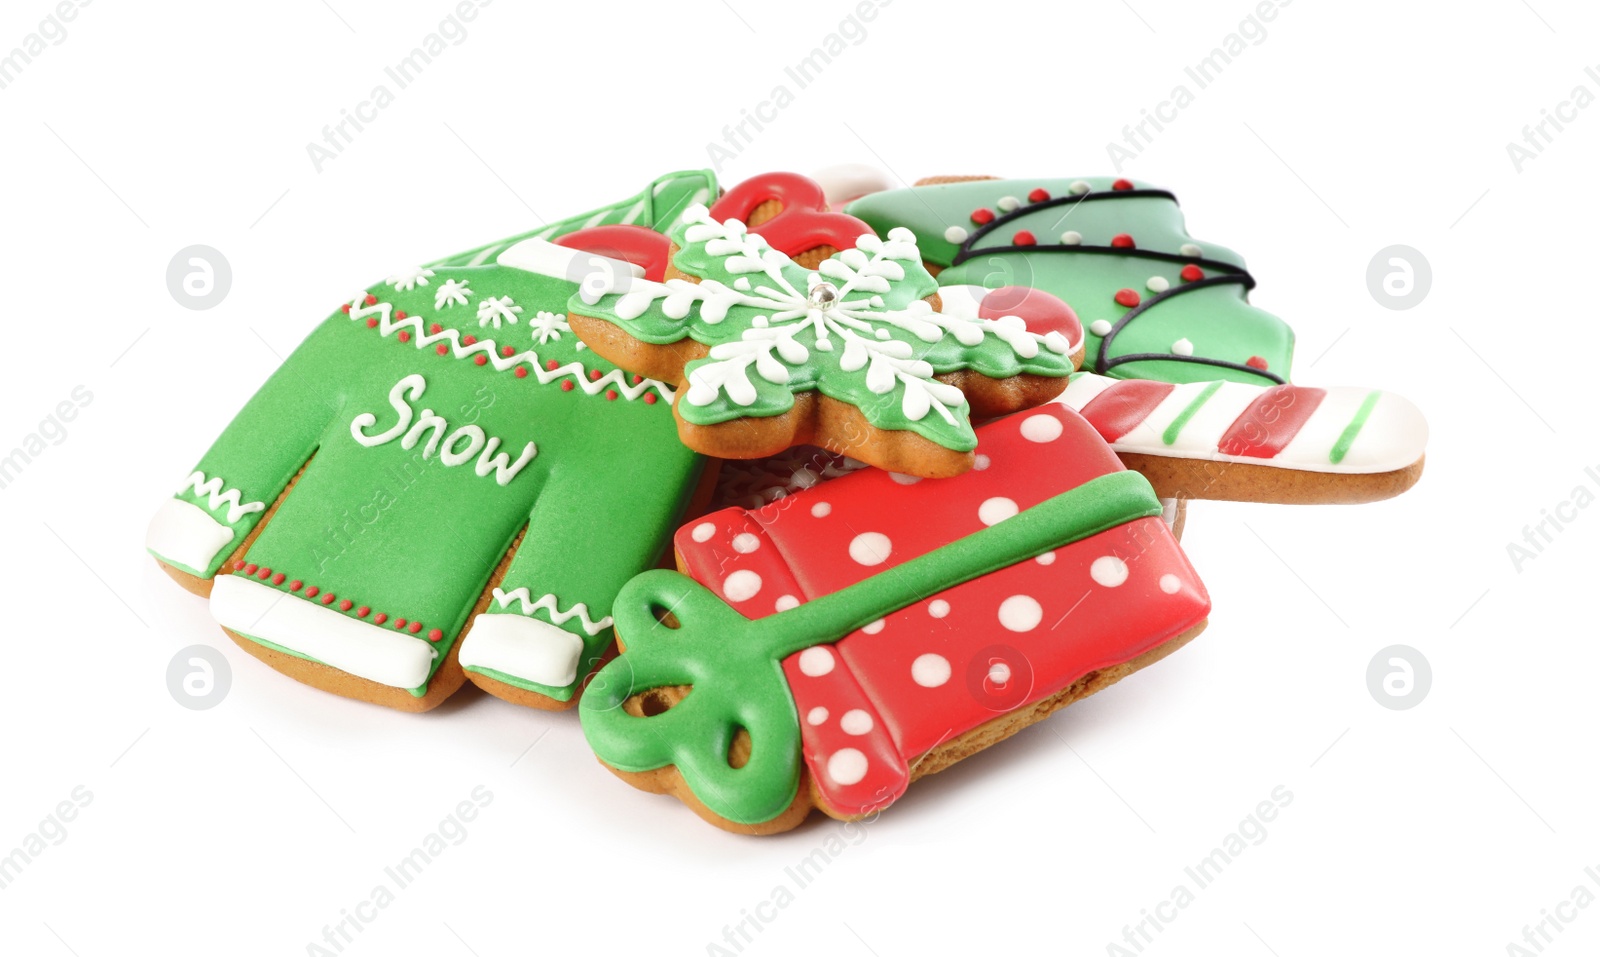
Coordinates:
<point>487,347</point>
<point>216,498</point>
<point>552,608</point>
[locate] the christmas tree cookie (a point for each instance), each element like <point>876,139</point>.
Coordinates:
<point>442,481</point>
<point>854,355</point>
<point>1157,304</point>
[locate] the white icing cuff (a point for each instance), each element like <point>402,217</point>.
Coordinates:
<point>850,181</point>
<point>524,648</point>
<point>185,535</point>
<point>548,259</point>
<point>333,638</point>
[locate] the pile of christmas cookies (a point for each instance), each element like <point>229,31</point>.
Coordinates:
<point>920,454</point>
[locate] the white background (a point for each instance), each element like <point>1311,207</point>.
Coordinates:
<point>1352,126</point>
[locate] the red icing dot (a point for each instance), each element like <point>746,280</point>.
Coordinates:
<point>442,349</point>
<point>327,598</point>
<point>982,216</point>
<point>238,563</point>
<point>404,336</point>
<point>1122,241</point>
<point>594,375</point>
<point>480,359</point>
<point>277,579</point>
<point>363,611</point>
<point>264,573</point>
<point>507,351</point>
<point>371,300</point>
<point>250,569</point>
<point>1122,184</point>
<point>1023,238</point>
<point>611,395</point>
<point>1191,272</point>
<point>637,378</point>
<point>345,309</point>
<point>295,585</point>
<point>566,385</point>
<point>380,618</point>
<point>416,626</point>
<point>399,314</point>
<point>434,634</point>
<point>399,624</point>
<point>311,591</point>
<point>372,323</point>
<point>522,372</point>
<point>552,365</point>
<point>1127,297</point>
<point>1039,195</point>
<point>649,398</point>
<point>1256,362</point>
<point>435,328</point>
<point>468,340</point>
<point>345,604</point>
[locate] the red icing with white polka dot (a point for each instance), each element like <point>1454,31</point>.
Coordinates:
<point>872,703</point>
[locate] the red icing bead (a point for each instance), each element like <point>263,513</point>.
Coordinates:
<point>371,300</point>
<point>435,328</point>
<point>345,604</point>
<point>594,375</point>
<point>380,618</point>
<point>327,598</point>
<point>611,395</point>
<point>363,611</point>
<point>1122,184</point>
<point>480,359</point>
<point>416,626</point>
<point>1256,362</point>
<point>522,372</point>
<point>1191,272</point>
<point>345,309</point>
<point>399,314</point>
<point>434,634</point>
<point>399,624</point>
<point>1023,238</point>
<point>649,398</point>
<point>372,323</point>
<point>404,336</point>
<point>250,569</point>
<point>1039,195</point>
<point>982,216</point>
<point>442,349</point>
<point>566,385</point>
<point>1122,241</point>
<point>311,591</point>
<point>637,378</point>
<point>238,563</point>
<point>1127,297</point>
<point>295,585</point>
<point>264,573</point>
<point>277,579</point>
<point>552,365</point>
<point>508,351</point>
<point>468,340</point>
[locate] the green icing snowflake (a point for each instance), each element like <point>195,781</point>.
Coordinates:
<point>858,329</point>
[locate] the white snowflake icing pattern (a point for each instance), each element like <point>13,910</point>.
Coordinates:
<point>493,310</point>
<point>452,293</point>
<point>547,326</point>
<point>410,278</point>
<point>842,304</point>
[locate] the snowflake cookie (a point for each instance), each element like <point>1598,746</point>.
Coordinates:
<point>856,356</point>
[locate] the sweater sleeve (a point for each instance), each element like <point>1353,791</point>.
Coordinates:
<point>250,464</point>
<point>595,526</point>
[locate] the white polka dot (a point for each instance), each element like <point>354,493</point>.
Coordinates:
<point>1071,238</point>
<point>1189,249</point>
<point>816,661</point>
<point>870,548</point>
<point>1020,613</point>
<point>742,585</point>
<point>1170,584</point>
<point>1100,327</point>
<point>999,673</point>
<point>1041,428</point>
<point>786,602</point>
<point>816,715</point>
<point>744,543</point>
<point>1157,284</point>
<point>821,510</point>
<point>872,627</point>
<point>955,234</point>
<point>847,766</point>
<point>856,721</point>
<point>900,478</point>
<point>1008,204</point>
<point>1109,570</point>
<point>1183,347</point>
<point>980,462</point>
<point>1048,558</point>
<point>938,608</point>
<point>996,510</point>
<point>930,671</point>
<point>1079,186</point>
<point>703,532</point>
